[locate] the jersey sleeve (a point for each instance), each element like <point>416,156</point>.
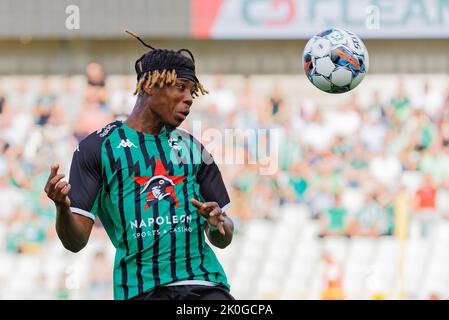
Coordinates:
<point>212,187</point>
<point>85,177</point>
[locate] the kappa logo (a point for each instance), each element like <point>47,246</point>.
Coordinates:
<point>126,144</point>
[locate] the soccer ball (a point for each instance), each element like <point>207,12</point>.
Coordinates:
<point>335,60</point>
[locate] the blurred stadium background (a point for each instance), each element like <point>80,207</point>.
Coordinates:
<point>359,208</point>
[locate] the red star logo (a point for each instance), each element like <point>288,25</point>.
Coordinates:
<point>159,186</point>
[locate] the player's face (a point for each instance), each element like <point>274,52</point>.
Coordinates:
<point>172,103</point>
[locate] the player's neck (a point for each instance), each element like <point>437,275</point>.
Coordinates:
<point>144,120</point>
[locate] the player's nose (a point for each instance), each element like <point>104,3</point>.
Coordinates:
<point>188,99</point>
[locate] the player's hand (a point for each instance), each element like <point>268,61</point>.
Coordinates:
<point>56,189</point>
<point>212,212</point>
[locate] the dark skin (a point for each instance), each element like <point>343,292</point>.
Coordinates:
<point>154,108</point>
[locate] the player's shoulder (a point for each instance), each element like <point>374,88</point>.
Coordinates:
<point>95,139</point>
<point>108,129</point>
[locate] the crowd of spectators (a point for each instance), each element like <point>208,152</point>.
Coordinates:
<point>347,162</point>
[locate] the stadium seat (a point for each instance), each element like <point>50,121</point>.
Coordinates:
<point>241,288</point>
<point>316,285</point>
<point>310,230</point>
<point>309,250</point>
<point>246,269</point>
<point>336,246</point>
<point>414,266</point>
<point>434,284</point>
<point>442,231</point>
<point>388,249</point>
<point>280,249</point>
<point>267,288</point>
<point>383,278</point>
<point>257,230</point>
<point>301,268</point>
<point>295,286</point>
<point>293,217</point>
<point>274,269</point>
<point>354,286</point>
<point>288,236</point>
<point>252,250</point>
<point>362,249</point>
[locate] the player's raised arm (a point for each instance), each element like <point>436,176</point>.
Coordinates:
<point>73,230</point>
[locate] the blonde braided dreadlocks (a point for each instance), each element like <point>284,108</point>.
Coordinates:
<point>162,67</point>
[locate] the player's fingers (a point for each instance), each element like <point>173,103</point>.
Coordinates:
<point>60,186</point>
<point>211,205</point>
<point>53,171</point>
<point>60,191</point>
<point>221,229</point>
<point>50,188</point>
<point>56,179</point>
<point>65,190</point>
<point>197,204</point>
<point>215,212</point>
<point>55,189</point>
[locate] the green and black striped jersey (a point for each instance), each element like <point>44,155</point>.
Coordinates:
<point>140,186</point>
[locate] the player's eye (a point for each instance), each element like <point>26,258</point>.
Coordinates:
<point>183,87</point>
